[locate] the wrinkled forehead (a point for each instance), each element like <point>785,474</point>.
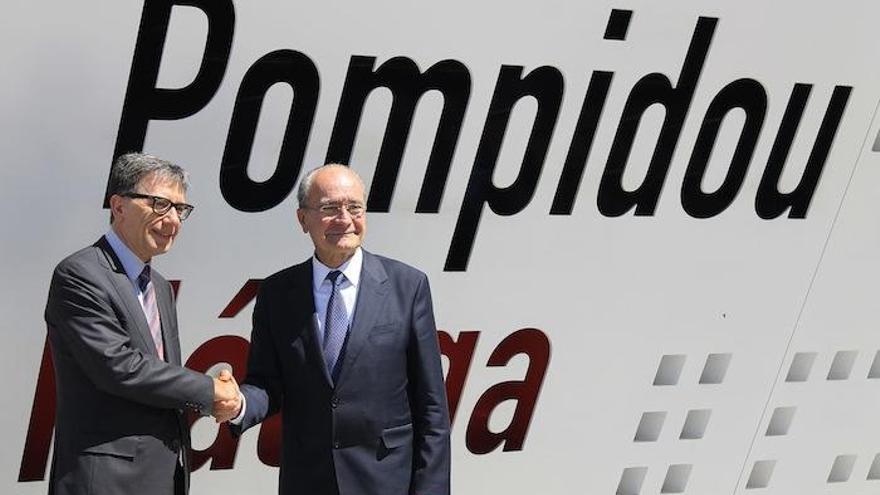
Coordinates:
<point>336,185</point>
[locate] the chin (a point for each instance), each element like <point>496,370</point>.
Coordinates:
<point>348,248</point>
<point>163,248</point>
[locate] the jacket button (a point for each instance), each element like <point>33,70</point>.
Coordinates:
<point>334,401</point>
<point>336,445</point>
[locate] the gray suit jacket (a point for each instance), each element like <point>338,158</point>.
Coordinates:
<point>119,424</point>
<point>382,427</point>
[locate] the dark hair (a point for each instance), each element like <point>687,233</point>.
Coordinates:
<point>129,169</point>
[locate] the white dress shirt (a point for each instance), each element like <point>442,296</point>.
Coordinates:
<point>132,265</point>
<point>321,290</point>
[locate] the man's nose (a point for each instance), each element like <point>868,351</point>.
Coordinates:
<point>343,214</point>
<point>173,216</point>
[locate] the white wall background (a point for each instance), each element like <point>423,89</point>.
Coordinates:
<point>614,295</point>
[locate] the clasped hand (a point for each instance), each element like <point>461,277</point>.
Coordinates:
<point>227,399</point>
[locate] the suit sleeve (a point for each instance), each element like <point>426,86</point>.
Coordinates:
<point>262,386</point>
<point>431,444</point>
<point>80,315</point>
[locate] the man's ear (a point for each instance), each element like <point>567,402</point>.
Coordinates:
<point>116,203</point>
<point>301,217</point>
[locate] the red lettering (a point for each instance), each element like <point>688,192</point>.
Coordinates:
<point>245,295</point>
<point>529,341</point>
<point>225,349</point>
<point>42,424</point>
<point>234,350</point>
<point>269,441</point>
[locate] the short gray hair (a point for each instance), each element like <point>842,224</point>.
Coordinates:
<point>129,169</point>
<point>306,183</point>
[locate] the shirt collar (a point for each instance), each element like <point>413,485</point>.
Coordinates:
<point>351,269</point>
<point>132,265</point>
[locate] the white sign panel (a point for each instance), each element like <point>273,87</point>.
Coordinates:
<point>650,227</point>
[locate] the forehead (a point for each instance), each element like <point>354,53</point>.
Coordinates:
<point>160,186</point>
<point>336,184</point>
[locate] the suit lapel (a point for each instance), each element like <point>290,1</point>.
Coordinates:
<point>124,289</point>
<point>371,295</point>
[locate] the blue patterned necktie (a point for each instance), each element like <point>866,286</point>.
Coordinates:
<point>335,323</point>
<point>151,309</point>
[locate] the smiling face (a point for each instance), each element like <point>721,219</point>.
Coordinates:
<point>144,231</point>
<point>336,237</point>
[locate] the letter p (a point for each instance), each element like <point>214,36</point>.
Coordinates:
<point>143,100</point>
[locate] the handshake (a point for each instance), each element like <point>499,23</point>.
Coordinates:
<point>227,398</point>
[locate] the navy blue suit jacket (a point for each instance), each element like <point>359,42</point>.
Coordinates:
<point>383,427</point>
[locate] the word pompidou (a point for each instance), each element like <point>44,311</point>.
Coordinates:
<point>452,79</point>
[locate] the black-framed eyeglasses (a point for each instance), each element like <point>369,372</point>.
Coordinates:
<point>329,210</point>
<point>162,205</point>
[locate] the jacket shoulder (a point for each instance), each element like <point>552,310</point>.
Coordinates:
<point>287,275</point>
<point>85,259</point>
<point>397,269</point>
<point>79,272</point>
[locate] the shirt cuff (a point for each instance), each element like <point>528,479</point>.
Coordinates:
<point>237,420</point>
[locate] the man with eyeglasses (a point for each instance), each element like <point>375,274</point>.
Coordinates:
<point>345,345</point>
<point>112,326</point>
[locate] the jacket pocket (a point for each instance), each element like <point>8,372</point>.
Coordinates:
<point>124,447</point>
<point>397,435</point>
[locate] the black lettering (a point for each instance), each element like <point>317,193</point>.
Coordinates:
<point>407,85</point>
<point>581,142</point>
<point>546,86</point>
<point>618,24</point>
<point>750,96</point>
<point>300,73</point>
<point>143,100</point>
<point>652,89</point>
<point>769,202</point>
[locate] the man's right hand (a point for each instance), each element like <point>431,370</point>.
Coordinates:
<point>227,398</point>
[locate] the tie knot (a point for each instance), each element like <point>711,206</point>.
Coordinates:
<point>333,276</point>
<point>144,278</point>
